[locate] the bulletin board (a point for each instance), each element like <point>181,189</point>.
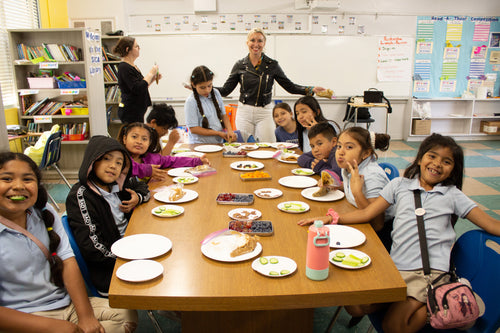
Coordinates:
<point>455,55</point>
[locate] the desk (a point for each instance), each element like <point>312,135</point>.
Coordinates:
<point>227,297</point>
<point>370,105</point>
<point>23,137</point>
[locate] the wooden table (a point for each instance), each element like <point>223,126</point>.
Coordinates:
<point>224,297</point>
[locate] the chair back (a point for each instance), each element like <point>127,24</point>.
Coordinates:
<point>390,170</point>
<point>79,258</point>
<point>52,151</point>
<point>476,255</point>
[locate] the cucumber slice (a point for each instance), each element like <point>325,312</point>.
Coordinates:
<point>273,261</point>
<point>340,255</point>
<point>263,261</point>
<point>284,272</point>
<point>364,260</point>
<point>274,273</point>
<point>337,259</point>
<point>18,198</point>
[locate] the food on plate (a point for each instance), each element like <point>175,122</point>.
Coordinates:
<point>167,212</point>
<point>201,170</point>
<point>247,166</point>
<point>244,214</point>
<point>293,207</point>
<point>176,193</point>
<point>257,227</point>
<point>328,93</point>
<point>263,260</point>
<point>244,244</point>
<point>256,174</point>
<point>274,273</point>
<point>273,261</point>
<point>350,260</point>
<point>327,181</point>
<point>289,157</point>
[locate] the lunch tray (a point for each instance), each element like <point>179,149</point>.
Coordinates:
<point>255,227</point>
<point>227,154</point>
<point>236,199</point>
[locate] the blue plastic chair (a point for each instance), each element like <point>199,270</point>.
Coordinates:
<point>390,170</point>
<point>476,256</point>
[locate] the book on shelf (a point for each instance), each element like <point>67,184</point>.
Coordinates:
<point>50,52</point>
<point>110,73</point>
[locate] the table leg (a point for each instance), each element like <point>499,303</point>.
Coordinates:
<point>297,320</point>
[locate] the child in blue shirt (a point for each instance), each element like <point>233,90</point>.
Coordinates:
<point>204,111</point>
<point>286,128</point>
<point>42,293</point>
<point>323,141</point>
<point>437,174</point>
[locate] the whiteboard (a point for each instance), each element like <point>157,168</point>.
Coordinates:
<point>178,55</point>
<point>345,64</point>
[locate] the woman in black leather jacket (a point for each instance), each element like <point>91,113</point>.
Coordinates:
<point>256,74</point>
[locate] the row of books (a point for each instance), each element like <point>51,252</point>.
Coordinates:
<point>108,56</point>
<point>113,94</point>
<point>110,73</point>
<point>74,128</point>
<point>50,52</point>
<point>41,107</point>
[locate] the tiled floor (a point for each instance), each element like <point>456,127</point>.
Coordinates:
<point>481,183</point>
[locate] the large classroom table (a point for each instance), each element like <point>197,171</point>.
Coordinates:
<point>224,297</point>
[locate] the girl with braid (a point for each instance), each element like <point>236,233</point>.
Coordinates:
<point>41,288</point>
<point>203,110</point>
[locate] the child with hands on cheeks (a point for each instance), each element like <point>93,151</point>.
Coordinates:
<point>307,114</point>
<point>162,119</point>
<point>141,142</point>
<point>437,175</point>
<point>43,293</point>
<point>205,119</point>
<point>323,141</point>
<point>286,128</point>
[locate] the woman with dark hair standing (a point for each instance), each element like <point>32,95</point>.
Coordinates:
<point>256,74</point>
<point>133,85</point>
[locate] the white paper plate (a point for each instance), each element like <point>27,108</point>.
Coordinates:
<point>347,252</point>
<point>268,193</point>
<point>167,211</point>
<point>303,172</point>
<point>190,154</point>
<point>141,246</point>
<point>261,154</point>
<point>208,148</point>
<point>139,270</point>
<point>342,236</point>
<point>330,196</point>
<point>180,150</point>
<point>295,205</point>
<point>249,147</point>
<point>239,165</point>
<point>283,263</point>
<point>185,180</point>
<point>220,248</point>
<point>163,196</point>
<point>179,172</point>
<point>289,162</point>
<point>287,145</point>
<point>252,214</point>
<point>298,181</point>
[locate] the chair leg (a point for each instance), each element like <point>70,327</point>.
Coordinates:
<point>62,175</point>
<point>334,319</point>
<point>155,323</point>
<point>54,202</point>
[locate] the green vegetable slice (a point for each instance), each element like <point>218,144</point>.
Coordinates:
<point>18,198</point>
<point>340,254</point>
<point>273,261</point>
<point>263,261</point>
<point>364,260</point>
<point>274,273</point>
<point>284,272</point>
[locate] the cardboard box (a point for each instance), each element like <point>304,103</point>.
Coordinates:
<point>490,127</point>
<point>421,127</point>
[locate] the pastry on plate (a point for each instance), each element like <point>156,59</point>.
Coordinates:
<point>244,244</point>
<point>328,183</point>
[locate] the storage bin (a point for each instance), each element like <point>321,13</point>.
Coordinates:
<point>74,137</point>
<point>421,127</point>
<point>74,111</point>
<point>490,127</point>
<point>41,82</point>
<point>71,84</point>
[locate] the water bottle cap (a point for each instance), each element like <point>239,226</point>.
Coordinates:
<point>318,224</point>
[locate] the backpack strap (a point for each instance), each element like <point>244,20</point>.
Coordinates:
<point>12,225</point>
<point>419,212</point>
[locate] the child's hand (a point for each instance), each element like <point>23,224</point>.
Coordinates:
<point>157,173</point>
<point>174,136</point>
<point>66,326</point>
<point>310,122</point>
<point>127,205</point>
<point>314,162</point>
<point>223,135</point>
<point>231,136</point>
<point>311,220</point>
<point>357,180</point>
<point>90,325</point>
<point>205,160</point>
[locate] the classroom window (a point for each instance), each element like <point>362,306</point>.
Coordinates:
<point>14,14</point>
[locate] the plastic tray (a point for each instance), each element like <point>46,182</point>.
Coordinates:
<point>256,178</point>
<point>237,199</point>
<point>246,227</point>
<point>226,154</point>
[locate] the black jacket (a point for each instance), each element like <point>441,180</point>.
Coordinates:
<point>89,214</point>
<point>256,86</point>
<point>134,94</point>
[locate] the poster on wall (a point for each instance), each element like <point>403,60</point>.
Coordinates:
<point>393,63</point>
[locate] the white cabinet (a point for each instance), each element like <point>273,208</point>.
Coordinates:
<point>88,66</point>
<point>455,117</point>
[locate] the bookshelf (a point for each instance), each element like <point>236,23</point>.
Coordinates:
<point>111,89</point>
<point>78,91</point>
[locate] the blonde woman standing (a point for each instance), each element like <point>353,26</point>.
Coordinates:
<point>256,74</point>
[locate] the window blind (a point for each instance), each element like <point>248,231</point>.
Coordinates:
<point>14,14</point>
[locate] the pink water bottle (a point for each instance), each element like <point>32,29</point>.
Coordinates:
<point>318,249</point>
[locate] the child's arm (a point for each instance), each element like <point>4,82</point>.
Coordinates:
<point>173,138</point>
<point>75,286</point>
<point>17,321</point>
<point>126,206</point>
<point>483,220</point>
<point>359,216</point>
<point>231,136</point>
<point>305,160</point>
<point>207,132</point>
